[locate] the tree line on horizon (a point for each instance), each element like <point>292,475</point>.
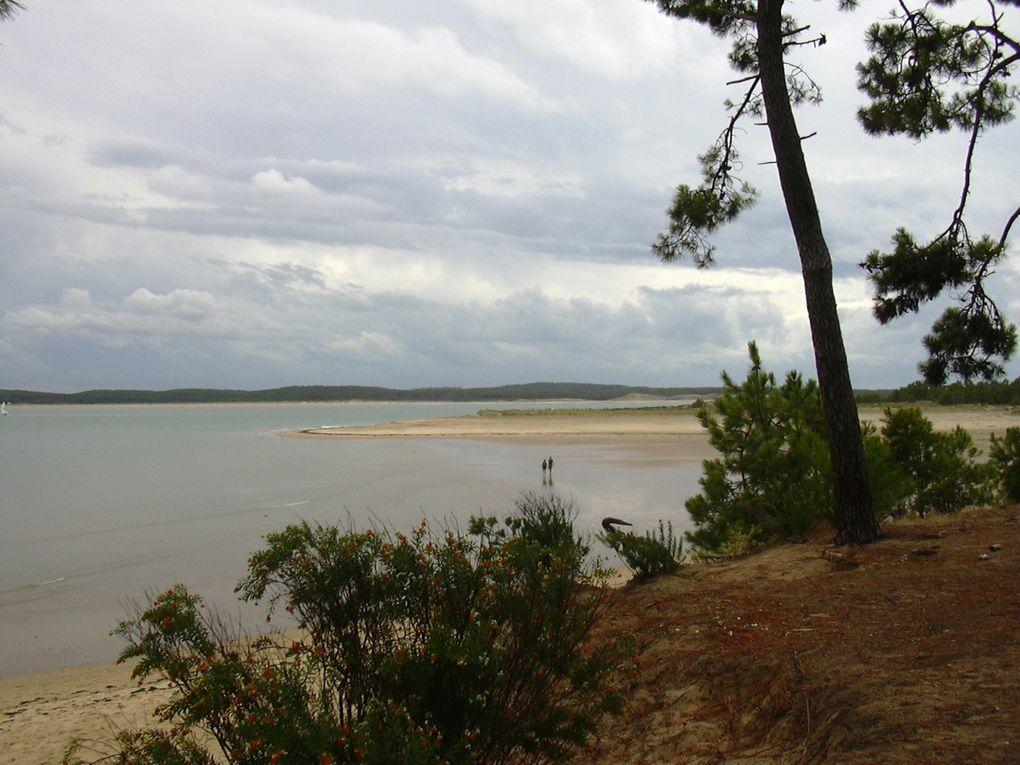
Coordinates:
<point>299,393</point>
<point>1002,392</point>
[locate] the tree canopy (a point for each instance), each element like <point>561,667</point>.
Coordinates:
<point>928,74</point>
<point>8,8</point>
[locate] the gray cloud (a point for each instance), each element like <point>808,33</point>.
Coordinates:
<point>246,195</point>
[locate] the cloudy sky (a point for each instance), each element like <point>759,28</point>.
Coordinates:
<point>245,193</point>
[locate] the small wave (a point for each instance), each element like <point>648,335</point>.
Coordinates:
<point>289,504</point>
<point>50,581</point>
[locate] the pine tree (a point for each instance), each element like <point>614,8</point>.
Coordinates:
<point>762,35</point>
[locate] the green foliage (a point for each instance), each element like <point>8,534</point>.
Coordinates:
<point>967,339</point>
<point>697,212</point>
<point>985,392</point>
<point>773,479</point>
<point>926,75</point>
<point>891,484</point>
<point>1005,455</point>
<point>655,553</point>
<point>944,476</point>
<point>414,649</point>
<point>142,746</point>
<point>722,18</point>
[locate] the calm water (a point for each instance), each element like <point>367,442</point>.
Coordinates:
<point>99,505</point>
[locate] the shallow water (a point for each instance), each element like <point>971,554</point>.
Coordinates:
<point>99,505</point>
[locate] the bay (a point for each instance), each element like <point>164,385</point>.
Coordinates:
<point>102,505</point>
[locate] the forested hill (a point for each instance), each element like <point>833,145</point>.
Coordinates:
<point>296,393</point>
<point>993,392</point>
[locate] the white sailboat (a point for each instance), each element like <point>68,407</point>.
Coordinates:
<point>3,407</point>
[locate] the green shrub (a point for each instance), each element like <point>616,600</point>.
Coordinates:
<point>773,478</point>
<point>1005,455</point>
<point>654,553</point>
<point>891,484</point>
<point>415,649</point>
<point>941,466</point>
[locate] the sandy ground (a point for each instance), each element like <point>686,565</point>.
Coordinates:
<point>522,426</point>
<point>980,421</point>
<point>40,713</point>
<point>903,652</point>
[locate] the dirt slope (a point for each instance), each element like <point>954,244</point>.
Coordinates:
<point>905,651</point>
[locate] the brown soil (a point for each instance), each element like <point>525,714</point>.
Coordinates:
<point>904,651</point>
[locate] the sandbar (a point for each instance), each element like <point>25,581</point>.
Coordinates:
<point>635,425</point>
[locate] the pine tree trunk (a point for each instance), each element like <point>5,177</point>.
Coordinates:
<point>855,513</point>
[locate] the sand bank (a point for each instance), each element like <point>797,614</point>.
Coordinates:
<point>541,426</point>
<point>980,421</point>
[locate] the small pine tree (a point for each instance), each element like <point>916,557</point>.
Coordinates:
<point>773,479</point>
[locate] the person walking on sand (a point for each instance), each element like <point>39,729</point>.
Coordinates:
<point>545,466</point>
<point>550,466</point>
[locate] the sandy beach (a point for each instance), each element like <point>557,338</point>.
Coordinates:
<point>647,426</point>
<point>39,713</point>
<point>630,424</point>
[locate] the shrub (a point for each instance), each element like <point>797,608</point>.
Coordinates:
<point>942,467</point>
<point>654,553</point>
<point>891,484</point>
<point>1005,455</point>
<point>415,649</point>
<point>773,478</point>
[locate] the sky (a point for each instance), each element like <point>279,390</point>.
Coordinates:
<point>251,194</point>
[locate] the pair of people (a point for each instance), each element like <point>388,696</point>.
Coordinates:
<point>547,464</point>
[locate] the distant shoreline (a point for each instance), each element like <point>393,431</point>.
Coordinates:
<point>363,394</point>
